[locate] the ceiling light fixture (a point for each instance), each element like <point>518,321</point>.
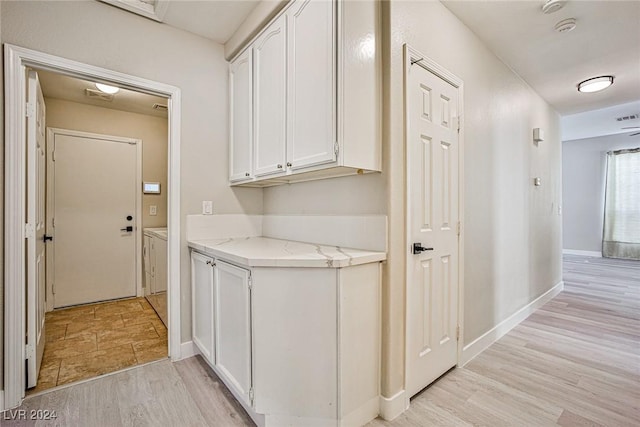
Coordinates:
<point>565,25</point>
<point>107,89</point>
<point>595,84</point>
<point>552,6</point>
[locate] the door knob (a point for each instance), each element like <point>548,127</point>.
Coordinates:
<point>418,248</point>
<point>45,238</point>
<point>127,229</point>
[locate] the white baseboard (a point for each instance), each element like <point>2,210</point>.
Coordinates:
<point>188,349</point>
<point>391,407</point>
<point>482,343</point>
<point>583,253</point>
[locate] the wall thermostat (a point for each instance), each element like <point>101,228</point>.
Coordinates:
<point>151,188</point>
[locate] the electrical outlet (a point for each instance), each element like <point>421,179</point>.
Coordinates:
<point>207,207</point>
<point>153,210</point>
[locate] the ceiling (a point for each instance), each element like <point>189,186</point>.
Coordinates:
<point>73,89</point>
<point>605,41</point>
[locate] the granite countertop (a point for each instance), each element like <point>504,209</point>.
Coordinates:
<point>268,252</point>
<point>157,232</point>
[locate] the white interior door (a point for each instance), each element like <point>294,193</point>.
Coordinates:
<point>36,258</point>
<point>432,180</point>
<point>95,200</point>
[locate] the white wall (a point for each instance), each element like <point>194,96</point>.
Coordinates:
<point>152,130</point>
<point>584,167</point>
<point>98,34</point>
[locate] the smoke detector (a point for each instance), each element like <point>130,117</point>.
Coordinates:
<point>552,6</point>
<point>629,117</point>
<point>160,107</point>
<point>565,25</point>
<point>96,94</point>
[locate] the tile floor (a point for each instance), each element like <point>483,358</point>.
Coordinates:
<point>92,340</point>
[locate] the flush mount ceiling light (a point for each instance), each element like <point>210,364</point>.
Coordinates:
<point>107,89</point>
<point>552,6</point>
<point>595,84</point>
<point>565,25</point>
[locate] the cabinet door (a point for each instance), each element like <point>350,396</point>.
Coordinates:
<point>202,293</point>
<point>233,326</point>
<point>270,76</point>
<point>241,105</point>
<point>161,265</point>
<point>152,265</point>
<point>312,83</point>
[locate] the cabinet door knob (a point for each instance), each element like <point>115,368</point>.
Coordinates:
<point>246,174</point>
<point>289,164</point>
<point>279,166</point>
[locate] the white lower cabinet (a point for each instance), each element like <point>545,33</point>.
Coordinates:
<point>202,293</point>
<point>232,326</point>
<point>295,345</point>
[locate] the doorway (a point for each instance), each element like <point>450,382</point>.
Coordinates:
<point>433,147</point>
<point>17,226</point>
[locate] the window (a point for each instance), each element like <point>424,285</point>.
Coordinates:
<point>622,205</point>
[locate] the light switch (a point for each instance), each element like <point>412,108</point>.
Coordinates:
<point>207,207</point>
<point>153,210</point>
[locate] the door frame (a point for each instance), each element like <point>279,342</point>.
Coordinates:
<point>413,57</point>
<point>51,134</point>
<point>16,60</point>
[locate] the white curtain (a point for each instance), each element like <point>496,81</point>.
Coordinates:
<point>622,205</point>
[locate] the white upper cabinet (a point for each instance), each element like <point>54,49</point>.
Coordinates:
<point>315,97</point>
<point>241,116</point>
<point>270,79</point>
<point>312,88</point>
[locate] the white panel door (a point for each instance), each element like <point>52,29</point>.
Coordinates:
<point>432,191</point>
<point>312,83</point>
<point>36,259</point>
<point>270,77</point>
<point>94,194</point>
<point>233,326</point>
<point>202,294</point>
<point>241,108</point>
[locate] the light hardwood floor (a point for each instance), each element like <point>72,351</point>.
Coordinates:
<point>574,362</point>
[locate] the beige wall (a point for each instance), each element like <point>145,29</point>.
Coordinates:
<point>98,34</point>
<point>512,230</point>
<point>150,129</point>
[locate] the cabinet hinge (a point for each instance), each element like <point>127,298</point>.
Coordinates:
<point>29,231</point>
<point>251,396</point>
<point>336,148</point>
<point>458,228</point>
<point>458,333</point>
<point>30,110</point>
<point>30,351</point>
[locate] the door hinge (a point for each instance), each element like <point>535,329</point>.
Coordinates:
<point>29,231</point>
<point>250,281</point>
<point>336,148</point>
<point>53,222</point>
<point>30,351</point>
<point>458,228</point>
<point>251,396</point>
<point>458,120</point>
<point>458,333</point>
<point>30,110</point>
<point>53,156</point>
<point>53,288</point>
